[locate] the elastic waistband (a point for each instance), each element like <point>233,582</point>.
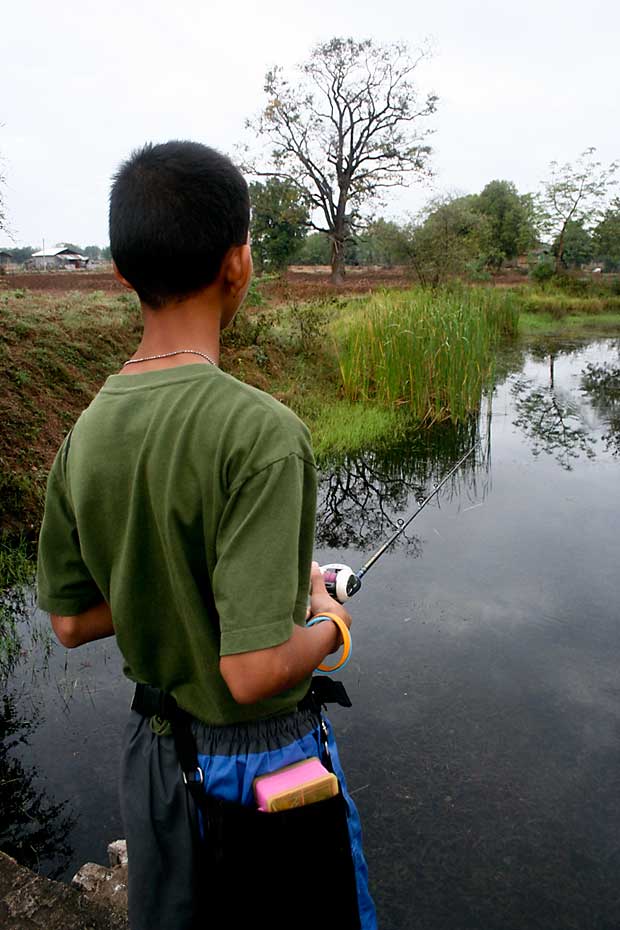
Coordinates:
<point>262,735</point>
<point>259,736</point>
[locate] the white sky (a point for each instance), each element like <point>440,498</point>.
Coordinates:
<point>82,84</point>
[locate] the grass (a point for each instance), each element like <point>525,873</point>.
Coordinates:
<point>16,575</point>
<point>346,428</point>
<point>55,351</point>
<point>574,324</point>
<point>431,352</point>
<point>359,371</point>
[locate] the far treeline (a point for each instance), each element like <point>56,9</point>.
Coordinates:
<point>349,126</point>
<point>22,255</point>
<point>475,235</point>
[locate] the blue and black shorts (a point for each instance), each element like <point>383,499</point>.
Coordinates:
<point>168,887</point>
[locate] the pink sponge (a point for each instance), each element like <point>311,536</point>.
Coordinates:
<point>295,785</point>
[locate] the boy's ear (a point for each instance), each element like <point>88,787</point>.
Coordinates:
<point>120,278</point>
<point>238,269</point>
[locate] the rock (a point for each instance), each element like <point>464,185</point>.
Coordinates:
<point>117,853</point>
<point>90,876</point>
<point>107,886</point>
<point>30,902</point>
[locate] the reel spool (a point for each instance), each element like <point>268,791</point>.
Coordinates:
<point>341,581</point>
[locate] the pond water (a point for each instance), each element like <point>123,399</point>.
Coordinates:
<point>483,745</point>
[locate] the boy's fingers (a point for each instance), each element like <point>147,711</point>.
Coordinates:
<point>316,579</point>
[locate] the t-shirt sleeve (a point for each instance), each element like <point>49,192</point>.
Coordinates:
<point>264,550</point>
<point>64,585</point>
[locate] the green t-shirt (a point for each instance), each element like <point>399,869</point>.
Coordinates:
<point>167,479</point>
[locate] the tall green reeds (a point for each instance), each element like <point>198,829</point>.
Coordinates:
<point>431,351</point>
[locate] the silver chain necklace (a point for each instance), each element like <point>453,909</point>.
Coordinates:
<point>151,358</point>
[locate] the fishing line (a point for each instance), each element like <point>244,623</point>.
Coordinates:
<point>342,582</point>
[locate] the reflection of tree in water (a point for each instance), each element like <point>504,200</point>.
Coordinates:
<point>32,827</point>
<point>602,384</point>
<point>551,420</point>
<point>360,497</point>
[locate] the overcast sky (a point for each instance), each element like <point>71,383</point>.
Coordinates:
<point>82,84</point>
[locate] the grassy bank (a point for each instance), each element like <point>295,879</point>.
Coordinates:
<point>57,349</point>
<point>428,351</point>
<point>357,370</point>
<point>570,306</point>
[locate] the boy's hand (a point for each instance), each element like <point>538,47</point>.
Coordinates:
<point>321,601</point>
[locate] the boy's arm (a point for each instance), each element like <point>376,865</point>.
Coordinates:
<point>255,676</point>
<point>91,624</point>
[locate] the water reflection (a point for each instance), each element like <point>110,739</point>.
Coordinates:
<point>34,828</point>
<point>483,746</point>
<point>552,421</point>
<point>362,497</point>
<point>601,382</point>
<point>556,415</point>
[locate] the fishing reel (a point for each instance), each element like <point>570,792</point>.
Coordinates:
<point>341,581</point>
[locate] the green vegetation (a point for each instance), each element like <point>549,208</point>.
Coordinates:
<point>55,350</point>
<point>570,305</point>
<point>429,351</point>
<point>574,199</point>
<point>358,370</point>
<point>348,125</point>
<point>279,223</point>
<point>16,574</point>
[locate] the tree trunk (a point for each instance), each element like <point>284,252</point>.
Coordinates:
<point>338,269</point>
<point>560,253</point>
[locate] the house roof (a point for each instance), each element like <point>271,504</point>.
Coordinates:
<point>52,253</point>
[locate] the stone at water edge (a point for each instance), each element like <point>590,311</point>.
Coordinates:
<point>107,886</point>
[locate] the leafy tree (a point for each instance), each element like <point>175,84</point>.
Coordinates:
<point>93,252</point>
<point>21,255</point>
<point>383,243</point>
<point>71,246</point>
<point>106,254</point>
<point>452,236</point>
<point>578,246</point>
<point>350,128</point>
<point>574,193</point>
<point>315,250</point>
<point>279,223</point>
<point>510,217</point>
<point>606,238</point>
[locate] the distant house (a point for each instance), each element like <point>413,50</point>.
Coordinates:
<point>59,258</point>
<point>5,259</point>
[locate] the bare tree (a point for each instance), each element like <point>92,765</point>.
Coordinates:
<point>351,128</point>
<point>575,193</point>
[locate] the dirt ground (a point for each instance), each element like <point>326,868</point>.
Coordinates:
<point>62,281</point>
<point>299,282</point>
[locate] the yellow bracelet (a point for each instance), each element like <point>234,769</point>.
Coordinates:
<point>346,639</point>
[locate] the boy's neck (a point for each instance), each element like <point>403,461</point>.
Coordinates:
<point>193,323</point>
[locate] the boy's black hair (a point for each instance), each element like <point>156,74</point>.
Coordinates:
<point>175,211</point>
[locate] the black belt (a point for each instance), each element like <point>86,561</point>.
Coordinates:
<point>153,702</point>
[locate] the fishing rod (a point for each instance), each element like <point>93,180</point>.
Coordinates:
<point>342,582</point>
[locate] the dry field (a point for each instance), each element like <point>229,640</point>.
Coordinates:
<point>298,284</point>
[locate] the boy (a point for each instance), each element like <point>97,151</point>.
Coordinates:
<point>179,517</point>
